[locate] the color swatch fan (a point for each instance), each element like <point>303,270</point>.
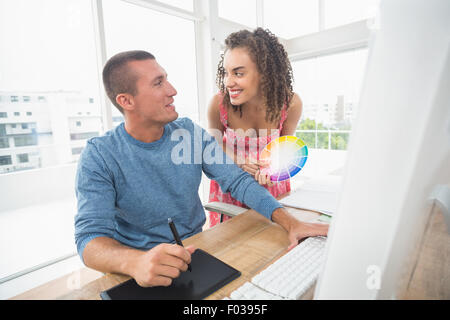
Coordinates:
<point>287,156</point>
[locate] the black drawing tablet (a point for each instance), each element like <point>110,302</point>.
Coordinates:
<point>208,275</point>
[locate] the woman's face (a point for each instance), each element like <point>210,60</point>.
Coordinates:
<point>241,77</point>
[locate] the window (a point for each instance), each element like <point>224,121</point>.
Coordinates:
<point>242,12</point>
<point>84,135</point>
<point>60,34</point>
<point>4,142</point>
<point>182,4</point>
<point>22,158</point>
<point>342,12</point>
<point>78,124</point>
<point>329,88</point>
<point>76,151</point>
<point>117,120</point>
<point>289,19</point>
<point>25,140</point>
<point>5,160</point>
<point>176,56</point>
<point>62,30</point>
<point>3,115</point>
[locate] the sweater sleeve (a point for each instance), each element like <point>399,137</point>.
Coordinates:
<point>242,186</point>
<point>95,193</point>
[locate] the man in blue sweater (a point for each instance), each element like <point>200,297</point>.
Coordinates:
<point>136,176</point>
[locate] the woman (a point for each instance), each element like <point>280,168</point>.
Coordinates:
<point>255,105</point>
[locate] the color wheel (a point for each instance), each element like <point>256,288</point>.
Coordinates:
<point>287,156</point>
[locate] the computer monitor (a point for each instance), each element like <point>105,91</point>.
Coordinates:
<point>399,151</point>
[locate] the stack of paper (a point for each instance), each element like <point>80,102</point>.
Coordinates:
<point>321,195</point>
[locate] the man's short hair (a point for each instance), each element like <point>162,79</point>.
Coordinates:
<point>119,78</point>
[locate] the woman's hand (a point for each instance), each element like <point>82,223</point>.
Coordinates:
<point>258,169</point>
<point>263,175</point>
<point>250,166</point>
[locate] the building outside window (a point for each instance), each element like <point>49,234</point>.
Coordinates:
<point>84,135</point>
<point>78,150</point>
<point>25,140</point>
<point>5,160</point>
<point>23,157</point>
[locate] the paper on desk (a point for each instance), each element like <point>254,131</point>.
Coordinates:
<point>319,195</point>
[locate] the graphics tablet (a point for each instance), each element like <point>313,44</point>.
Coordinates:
<point>208,275</point>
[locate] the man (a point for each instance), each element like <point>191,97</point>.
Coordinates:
<point>128,184</point>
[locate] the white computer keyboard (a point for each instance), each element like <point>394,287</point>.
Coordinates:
<point>287,278</point>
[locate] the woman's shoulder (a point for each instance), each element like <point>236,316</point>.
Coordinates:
<point>296,102</point>
<point>295,106</point>
<point>290,118</point>
<point>215,102</point>
<point>216,112</point>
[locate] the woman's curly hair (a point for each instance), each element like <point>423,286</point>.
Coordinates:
<point>273,65</point>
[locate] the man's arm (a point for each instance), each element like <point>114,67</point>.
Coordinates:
<point>95,229</point>
<point>246,190</point>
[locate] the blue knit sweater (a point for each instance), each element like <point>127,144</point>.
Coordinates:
<point>127,189</point>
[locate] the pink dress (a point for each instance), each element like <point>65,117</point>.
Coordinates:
<point>244,151</point>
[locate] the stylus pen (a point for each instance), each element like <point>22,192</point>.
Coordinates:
<point>177,237</point>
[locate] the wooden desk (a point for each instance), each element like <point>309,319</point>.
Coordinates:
<point>248,242</point>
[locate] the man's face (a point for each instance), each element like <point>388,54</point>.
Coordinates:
<point>154,98</point>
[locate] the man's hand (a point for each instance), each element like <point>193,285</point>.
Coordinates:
<point>301,230</point>
<point>298,230</point>
<point>161,264</point>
